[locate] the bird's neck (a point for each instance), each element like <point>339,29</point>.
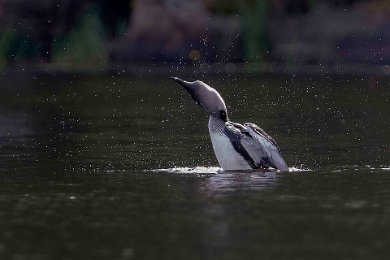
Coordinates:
<point>216,125</point>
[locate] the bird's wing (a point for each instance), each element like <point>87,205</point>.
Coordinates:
<point>240,138</point>
<point>256,146</point>
<point>261,132</point>
<point>269,145</point>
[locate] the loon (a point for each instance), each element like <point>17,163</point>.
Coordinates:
<point>237,147</point>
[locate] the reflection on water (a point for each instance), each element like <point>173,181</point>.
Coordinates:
<point>218,182</point>
<point>114,130</point>
<point>223,183</point>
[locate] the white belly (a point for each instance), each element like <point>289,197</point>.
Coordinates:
<point>227,157</point>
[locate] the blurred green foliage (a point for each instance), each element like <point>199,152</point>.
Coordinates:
<point>13,46</point>
<point>254,17</point>
<point>226,7</point>
<point>84,44</point>
<point>6,37</point>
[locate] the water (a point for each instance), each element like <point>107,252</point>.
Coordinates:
<point>101,167</point>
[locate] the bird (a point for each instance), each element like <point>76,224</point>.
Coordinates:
<point>237,147</point>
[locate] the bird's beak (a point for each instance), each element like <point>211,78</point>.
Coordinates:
<point>189,86</point>
<point>185,84</point>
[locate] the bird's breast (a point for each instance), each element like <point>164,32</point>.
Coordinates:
<point>226,155</point>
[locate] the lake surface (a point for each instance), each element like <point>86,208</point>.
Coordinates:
<point>120,167</point>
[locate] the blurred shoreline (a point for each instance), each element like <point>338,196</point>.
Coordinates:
<point>153,37</point>
<point>150,69</point>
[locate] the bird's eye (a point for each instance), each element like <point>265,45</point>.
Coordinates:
<point>222,114</point>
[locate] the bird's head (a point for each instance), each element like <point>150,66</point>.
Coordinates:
<point>206,97</point>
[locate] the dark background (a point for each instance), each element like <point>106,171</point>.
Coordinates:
<point>285,33</point>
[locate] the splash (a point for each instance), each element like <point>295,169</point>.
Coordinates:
<point>208,170</point>
<point>296,169</point>
<point>190,170</point>
<point>357,168</point>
